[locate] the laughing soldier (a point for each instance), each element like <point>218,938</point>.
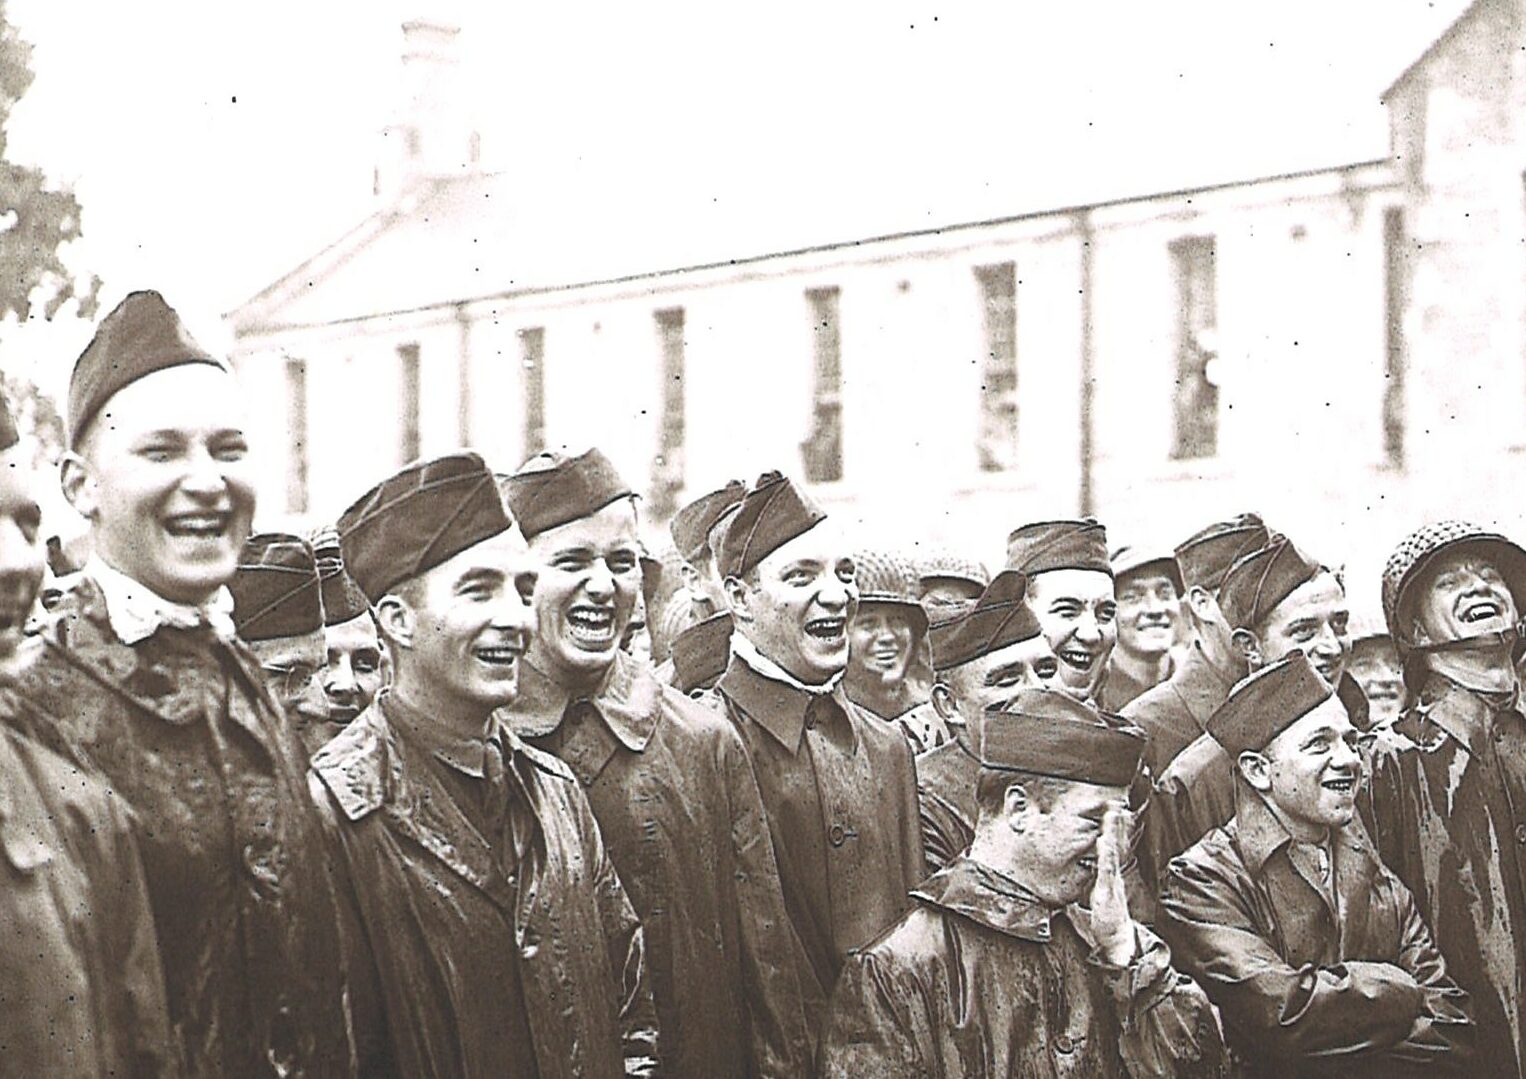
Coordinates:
<point>998,973</point>
<point>838,784</point>
<point>1070,590</point>
<point>1315,954</point>
<point>981,659</point>
<point>496,939</point>
<point>669,782</point>
<point>1449,796</point>
<point>884,639</point>
<point>354,667</point>
<point>278,610</point>
<point>152,687</point>
<point>1175,713</point>
<point>1149,589</point>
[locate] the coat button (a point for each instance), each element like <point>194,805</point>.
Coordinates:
<point>1063,1044</point>
<point>1520,833</point>
<point>837,835</point>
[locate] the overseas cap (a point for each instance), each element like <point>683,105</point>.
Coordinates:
<point>691,525</point>
<point>1267,703</point>
<point>1047,545</point>
<point>998,618</point>
<point>1262,579</point>
<point>143,334</point>
<point>343,600</point>
<point>1049,733</point>
<point>275,589</point>
<point>1205,557</point>
<point>1131,561</point>
<point>552,489</point>
<point>424,515</point>
<point>771,514</point>
<point>9,436</point>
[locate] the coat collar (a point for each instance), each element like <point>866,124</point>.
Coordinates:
<point>1458,711</point>
<point>1200,686</point>
<point>1258,834</point>
<point>135,612</point>
<point>778,708</point>
<point>587,732</point>
<point>989,898</point>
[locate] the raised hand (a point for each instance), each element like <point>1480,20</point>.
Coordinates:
<point>1112,925</point>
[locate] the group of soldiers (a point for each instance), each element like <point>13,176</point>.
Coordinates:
<point>463,786</point>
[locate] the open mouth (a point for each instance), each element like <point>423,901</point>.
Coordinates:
<point>1481,610</point>
<point>827,630</point>
<point>1340,786</point>
<point>593,627</point>
<point>1079,658</point>
<point>502,656</point>
<point>342,713</point>
<point>198,526</point>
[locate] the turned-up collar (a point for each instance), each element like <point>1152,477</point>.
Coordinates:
<point>464,753</point>
<point>1463,713</point>
<point>779,707</point>
<point>989,898</point>
<point>628,700</point>
<point>135,612</point>
<point>1259,834</point>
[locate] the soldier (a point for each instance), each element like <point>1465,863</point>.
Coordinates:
<point>1314,953</point>
<point>495,938</point>
<point>669,782</point>
<point>700,649</point>
<point>1175,712</point>
<point>949,582</point>
<point>1070,589</point>
<point>1277,600</point>
<point>355,666</point>
<point>1149,588</point>
<point>997,972</point>
<point>884,638</point>
<point>1376,668</point>
<point>278,611</point>
<point>1448,794</point>
<point>84,989</point>
<point>982,658</point>
<point>152,687</point>
<point>838,785</point>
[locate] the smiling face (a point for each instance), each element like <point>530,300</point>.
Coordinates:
<point>881,640</point>
<point>1375,666</point>
<point>1078,613</point>
<point>1148,609</point>
<point>164,478</point>
<point>1461,594</point>
<point>21,556</point>
<point>1314,619</point>
<point>459,631</point>
<point>1061,839</point>
<point>796,605</point>
<point>590,579</point>
<point>993,679</point>
<point>352,672</point>
<point>1311,771</point>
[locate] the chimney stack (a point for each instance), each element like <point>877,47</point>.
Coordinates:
<point>431,135</point>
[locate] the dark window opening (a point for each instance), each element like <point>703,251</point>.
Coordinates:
<point>821,452</point>
<point>996,440</point>
<point>409,443</point>
<point>532,360</point>
<point>668,464</point>
<point>1196,399</point>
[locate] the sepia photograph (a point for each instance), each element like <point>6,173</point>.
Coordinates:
<point>547,541</point>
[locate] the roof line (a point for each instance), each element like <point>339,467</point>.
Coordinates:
<point>1431,48</point>
<point>810,249</point>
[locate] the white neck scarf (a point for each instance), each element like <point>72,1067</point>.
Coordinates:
<point>748,653</point>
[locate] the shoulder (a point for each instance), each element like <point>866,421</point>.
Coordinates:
<point>909,947</point>
<point>354,765</point>
<point>1202,754</point>
<point>1158,700</point>
<point>880,735</point>
<point>57,783</point>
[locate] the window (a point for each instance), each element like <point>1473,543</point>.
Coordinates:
<point>996,439</point>
<point>532,360</point>
<point>296,412</point>
<point>668,465</point>
<point>821,452</point>
<point>409,391</point>
<point>1196,402</point>
<point>1395,290</point>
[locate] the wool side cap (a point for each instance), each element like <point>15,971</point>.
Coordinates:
<point>343,601</point>
<point>773,512</point>
<point>275,590</point>
<point>691,525</point>
<point>999,618</point>
<point>1257,583</point>
<point>1049,545</point>
<point>1049,733</point>
<point>552,489</point>
<point>1203,558</point>
<point>1267,703</point>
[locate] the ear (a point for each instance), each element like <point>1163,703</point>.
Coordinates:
<point>690,576</point>
<point>1256,769</point>
<point>77,479</point>
<point>1248,645</point>
<point>943,703</point>
<point>739,599</point>
<point>1015,807</point>
<point>396,621</point>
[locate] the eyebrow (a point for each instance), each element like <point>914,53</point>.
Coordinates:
<point>994,676</point>
<point>479,575</point>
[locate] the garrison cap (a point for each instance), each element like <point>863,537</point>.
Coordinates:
<point>701,652</point>
<point>1205,557</point>
<point>424,515</point>
<point>691,525</point>
<point>1048,545</point>
<point>343,600</point>
<point>552,489</point>
<point>1050,733</point>
<point>1132,561</point>
<point>275,589</point>
<point>1262,579</point>
<point>143,334</point>
<point>1267,703</point>
<point>998,618</point>
<point>9,436</point>
<point>773,512</point>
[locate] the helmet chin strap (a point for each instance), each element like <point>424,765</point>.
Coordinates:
<point>1480,642</point>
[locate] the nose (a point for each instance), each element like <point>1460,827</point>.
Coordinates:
<point>339,680</point>
<point>1155,604</point>
<point>204,475</point>
<point>835,594</point>
<point>514,614</point>
<point>1329,644</point>
<point>313,702</point>
<point>1088,630</point>
<point>1346,757</point>
<point>600,583</point>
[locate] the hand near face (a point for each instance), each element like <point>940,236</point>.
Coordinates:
<point>1112,925</point>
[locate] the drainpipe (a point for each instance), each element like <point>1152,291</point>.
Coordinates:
<point>1088,390</point>
<point>464,376</point>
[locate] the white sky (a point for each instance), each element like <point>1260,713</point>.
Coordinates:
<point>216,144</point>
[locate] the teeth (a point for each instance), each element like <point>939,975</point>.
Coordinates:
<point>826,627</point>
<point>497,655</point>
<point>196,524</point>
<point>1075,658</point>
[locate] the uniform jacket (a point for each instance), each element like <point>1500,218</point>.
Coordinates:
<point>840,791</point>
<point>1307,989</point>
<point>675,798</point>
<point>1448,812</point>
<point>1120,688</point>
<point>946,780</point>
<point>235,861</point>
<point>84,995</point>
<point>433,912</point>
<point>980,981</point>
<point>1176,712</point>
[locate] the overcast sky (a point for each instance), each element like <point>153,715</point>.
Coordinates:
<point>214,145</point>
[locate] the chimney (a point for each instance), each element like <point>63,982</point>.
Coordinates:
<point>431,135</point>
